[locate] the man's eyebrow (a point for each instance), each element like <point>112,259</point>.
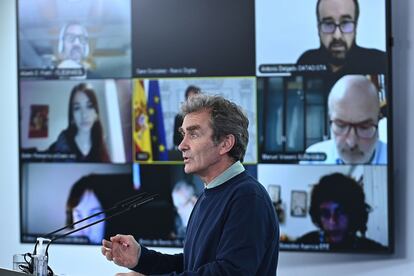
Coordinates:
<point>367,121</point>
<point>189,128</point>
<point>347,16</point>
<point>330,18</point>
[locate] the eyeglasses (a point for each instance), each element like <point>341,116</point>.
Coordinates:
<point>72,37</point>
<point>362,130</point>
<point>329,27</point>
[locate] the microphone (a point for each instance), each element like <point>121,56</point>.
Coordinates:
<point>122,204</point>
<point>118,209</point>
<point>122,207</point>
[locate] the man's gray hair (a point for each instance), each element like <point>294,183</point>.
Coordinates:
<point>225,118</point>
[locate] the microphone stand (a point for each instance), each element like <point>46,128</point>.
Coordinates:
<point>118,209</point>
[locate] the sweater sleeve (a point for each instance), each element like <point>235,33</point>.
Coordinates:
<point>153,262</point>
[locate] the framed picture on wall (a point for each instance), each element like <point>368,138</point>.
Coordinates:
<point>39,117</point>
<point>298,204</point>
<point>274,192</point>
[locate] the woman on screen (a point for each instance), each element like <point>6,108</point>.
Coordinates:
<point>83,201</point>
<point>83,139</point>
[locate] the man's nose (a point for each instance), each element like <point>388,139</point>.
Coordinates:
<point>183,146</point>
<point>337,33</point>
<point>351,138</point>
<point>77,40</point>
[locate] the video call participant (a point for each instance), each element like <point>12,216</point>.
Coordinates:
<point>354,110</point>
<point>73,47</point>
<point>339,210</point>
<point>337,22</point>
<point>178,120</point>
<point>184,199</point>
<point>83,201</point>
<point>233,228</point>
<point>83,138</point>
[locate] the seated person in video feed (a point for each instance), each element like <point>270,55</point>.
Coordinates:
<point>83,139</point>
<point>337,22</point>
<point>83,201</point>
<point>178,121</point>
<point>354,111</point>
<point>73,47</point>
<point>339,210</point>
<point>184,199</point>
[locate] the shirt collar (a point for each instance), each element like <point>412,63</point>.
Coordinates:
<point>231,172</point>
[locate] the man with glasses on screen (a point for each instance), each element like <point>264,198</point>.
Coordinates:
<point>337,24</point>
<point>73,47</point>
<point>354,112</point>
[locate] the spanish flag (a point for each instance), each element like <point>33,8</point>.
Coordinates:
<point>141,130</point>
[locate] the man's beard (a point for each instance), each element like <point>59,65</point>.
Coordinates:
<point>76,54</point>
<point>337,58</point>
<point>355,155</point>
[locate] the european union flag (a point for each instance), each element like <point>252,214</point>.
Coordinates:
<point>156,119</point>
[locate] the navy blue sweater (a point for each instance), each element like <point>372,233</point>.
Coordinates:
<point>232,230</point>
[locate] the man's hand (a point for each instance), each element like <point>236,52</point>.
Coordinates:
<point>122,250</point>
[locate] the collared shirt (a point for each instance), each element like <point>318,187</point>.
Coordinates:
<point>231,172</point>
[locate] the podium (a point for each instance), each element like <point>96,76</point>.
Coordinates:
<point>8,272</point>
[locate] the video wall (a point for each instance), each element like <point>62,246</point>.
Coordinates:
<point>100,88</point>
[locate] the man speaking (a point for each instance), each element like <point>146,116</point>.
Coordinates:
<point>233,228</point>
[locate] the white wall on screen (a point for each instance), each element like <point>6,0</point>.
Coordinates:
<point>113,116</point>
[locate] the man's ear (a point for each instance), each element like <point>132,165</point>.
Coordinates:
<point>227,143</point>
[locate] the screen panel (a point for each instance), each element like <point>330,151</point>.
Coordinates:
<point>100,89</point>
